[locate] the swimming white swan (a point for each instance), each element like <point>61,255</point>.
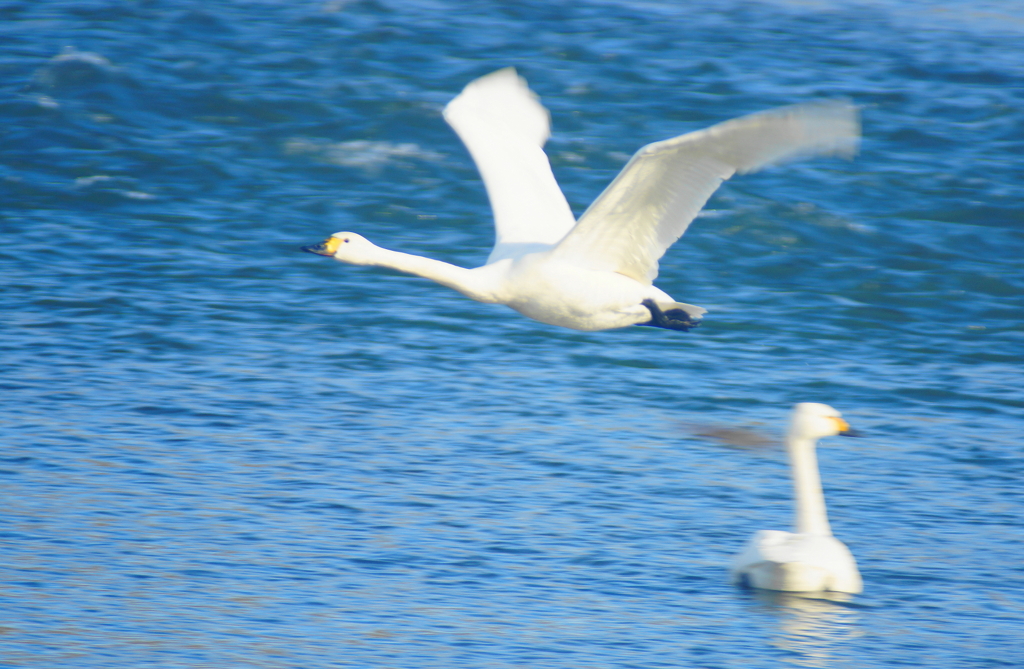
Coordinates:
<point>597,273</point>
<point>810,560</point>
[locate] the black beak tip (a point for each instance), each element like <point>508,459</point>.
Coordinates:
<point>851,433</point>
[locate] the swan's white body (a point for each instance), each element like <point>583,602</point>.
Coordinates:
<point>596,273</point>
<point>809,559</point>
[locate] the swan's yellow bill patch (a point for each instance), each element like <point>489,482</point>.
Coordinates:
<point>328,247</point>
<point>331,245</point>
<point>841,424</point>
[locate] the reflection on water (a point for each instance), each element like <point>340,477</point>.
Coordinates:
<point>810,625</point>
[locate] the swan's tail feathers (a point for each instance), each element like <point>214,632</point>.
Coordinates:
<point>691,310</point>
<point>673,315</point>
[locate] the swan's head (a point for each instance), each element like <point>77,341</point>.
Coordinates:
<point>345,246</point>
<point>811,420</point>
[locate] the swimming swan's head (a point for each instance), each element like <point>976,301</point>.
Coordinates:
<point>812,420</point>
<point>345,246</point>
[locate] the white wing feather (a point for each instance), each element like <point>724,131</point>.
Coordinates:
<point>649,205</point>
<point>504,126</point>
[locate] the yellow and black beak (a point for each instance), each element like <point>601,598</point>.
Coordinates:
<point>328,247</point>
<point>845,430</point>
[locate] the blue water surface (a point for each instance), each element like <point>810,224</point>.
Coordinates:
<point>221,452</point>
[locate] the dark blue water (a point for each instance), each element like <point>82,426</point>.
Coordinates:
<point>221,452</point>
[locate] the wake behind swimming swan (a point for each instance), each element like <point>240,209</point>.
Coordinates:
<point>597,273</point>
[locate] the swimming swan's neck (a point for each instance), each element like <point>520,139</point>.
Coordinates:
<point>476,284</point>
<point>811,517</point>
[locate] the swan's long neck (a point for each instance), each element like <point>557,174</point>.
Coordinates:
<point>477,284</point>
<point>811,517</point>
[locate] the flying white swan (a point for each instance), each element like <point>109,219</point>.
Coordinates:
<point>597,273</point>
<point>811,559</point>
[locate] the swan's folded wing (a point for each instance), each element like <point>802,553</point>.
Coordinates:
<point>652,201</point>
<point>504,126</point>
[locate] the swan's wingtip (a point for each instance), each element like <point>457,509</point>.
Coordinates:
<point>498,78</point>
<point>496,104</point>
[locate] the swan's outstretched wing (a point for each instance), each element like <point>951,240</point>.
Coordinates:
<point>504,126</point>
<point>651,202</point>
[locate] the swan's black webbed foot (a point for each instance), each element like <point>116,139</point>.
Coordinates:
<point>673,319</point>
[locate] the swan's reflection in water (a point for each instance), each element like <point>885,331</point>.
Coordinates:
<point>811,626</point>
